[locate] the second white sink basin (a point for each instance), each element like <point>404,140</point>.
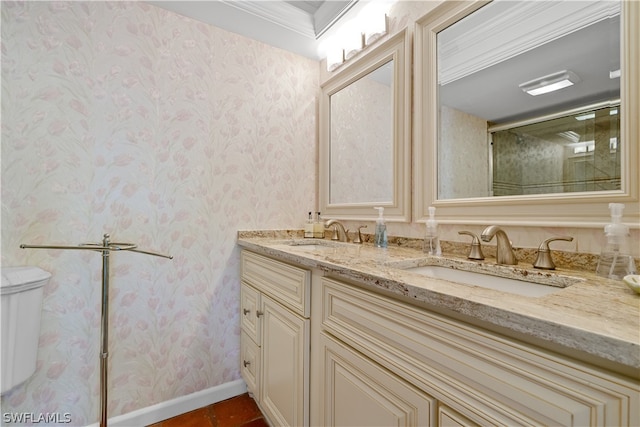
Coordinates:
<point>317,245</point>
<point>471,278</point>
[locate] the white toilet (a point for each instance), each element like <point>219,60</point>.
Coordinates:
<point>21,291</point>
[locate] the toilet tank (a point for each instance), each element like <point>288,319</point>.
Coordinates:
<point>21,293</point>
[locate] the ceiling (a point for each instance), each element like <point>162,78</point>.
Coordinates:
<point>293,25</point>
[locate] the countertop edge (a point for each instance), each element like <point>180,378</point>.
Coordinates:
<point>610,348</point>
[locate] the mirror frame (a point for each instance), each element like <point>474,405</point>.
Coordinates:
<point>398,49</point>
<point>586,209</point>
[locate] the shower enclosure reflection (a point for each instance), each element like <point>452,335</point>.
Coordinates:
<point>572,153</point>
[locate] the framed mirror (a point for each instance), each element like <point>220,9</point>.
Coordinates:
<point>487,150</point>
<point>365,143</point>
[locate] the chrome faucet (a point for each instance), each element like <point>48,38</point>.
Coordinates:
<point>504,250</point>
<point>339,233</point>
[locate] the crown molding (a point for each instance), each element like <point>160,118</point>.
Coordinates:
<point>280,13</point>
<point>329,13</point>
<point>505,29</point>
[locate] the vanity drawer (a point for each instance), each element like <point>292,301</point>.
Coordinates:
<point>250,363</point>
<point>250,319</point>
<point>287,284</point>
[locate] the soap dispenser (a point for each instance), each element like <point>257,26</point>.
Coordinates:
<point>308,227</point>
<point>615,260</point>
<point>431,240</point>
<point>318,227</point>
<point>380,238</point>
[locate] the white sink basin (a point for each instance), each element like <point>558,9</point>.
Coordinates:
<point>314,244</point>
<point>310,246</point>
<point>504,284</point>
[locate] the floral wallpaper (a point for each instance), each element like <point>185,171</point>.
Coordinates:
<point>123,118</point>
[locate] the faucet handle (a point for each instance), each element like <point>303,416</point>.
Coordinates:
<point>336,235</point>
<point>544,261</point>
<point>358,238</point>
<point>475,252</point>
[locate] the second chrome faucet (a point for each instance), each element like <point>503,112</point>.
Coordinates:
<point>339,232</point>
<point>504,249</point>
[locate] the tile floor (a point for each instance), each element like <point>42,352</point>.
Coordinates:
<point>239,411</point>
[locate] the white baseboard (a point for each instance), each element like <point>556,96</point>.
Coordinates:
<point>171,408</point>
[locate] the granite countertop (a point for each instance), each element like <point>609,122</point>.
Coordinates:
<point>587,313</point>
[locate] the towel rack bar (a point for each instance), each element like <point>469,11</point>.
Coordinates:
<point>106,247</point>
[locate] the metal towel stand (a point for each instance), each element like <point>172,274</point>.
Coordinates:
<point>106,247</point>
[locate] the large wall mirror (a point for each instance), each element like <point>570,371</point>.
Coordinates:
<point>365,135</point>
<point>526,112</point>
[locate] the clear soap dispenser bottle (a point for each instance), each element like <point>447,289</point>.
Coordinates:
<point>308,227</point>
<point>380,238</point>
<point>615,259</point>
<point>318,227</point>
<point>431,240</point>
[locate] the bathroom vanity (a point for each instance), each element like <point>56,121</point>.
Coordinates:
<point>274,345</point>
<point>358,336</point>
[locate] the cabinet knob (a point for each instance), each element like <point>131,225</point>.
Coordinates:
<point>246,311</point>
<point>246,363</point>
<point>259,313</point>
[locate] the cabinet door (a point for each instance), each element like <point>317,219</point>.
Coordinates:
<point>447,417</point>
<point>249,316</point>
<point>358,392</point>
<point>285,365</point>
<point>250,364</point>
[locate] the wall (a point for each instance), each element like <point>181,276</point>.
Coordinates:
<point>121,117</point>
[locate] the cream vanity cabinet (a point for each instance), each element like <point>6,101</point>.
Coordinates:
<point>385,362</point>
<point>275,336</point>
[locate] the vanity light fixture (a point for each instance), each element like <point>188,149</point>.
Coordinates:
<point>550,83</point>
<point>592,115</point>
<point>613,144</point>
<point>335,58</point>
<point>376,26</point>
<point>570,136</point>
<point>584,147</point>
<point>353,42</point>
<point>587,116</point>
<point>365,29</point>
